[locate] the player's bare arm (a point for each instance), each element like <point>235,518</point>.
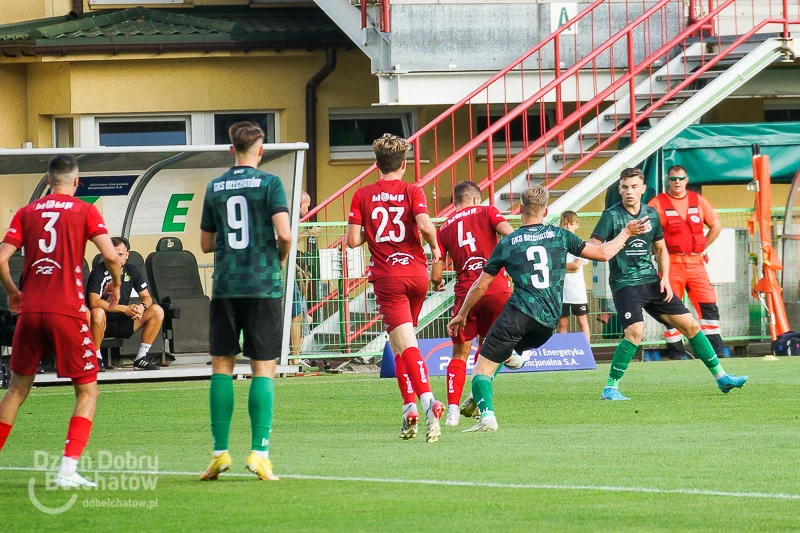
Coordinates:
<point>504,228</point>
<point>574,266</point>
<point>113,265</point>
<point>475,293</point>
<point>436,275</point>
<point>597,251</point>
<point>713,232</point>
<point>355,236</point>
<point>662,259</point>
<point>283,232</point>
<point>428,231</point>
<point>208,241</point>
<point>6,251</point>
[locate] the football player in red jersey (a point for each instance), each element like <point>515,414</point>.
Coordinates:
<point>389,216</point>
<point>53,316</point>
<point>469,236</point>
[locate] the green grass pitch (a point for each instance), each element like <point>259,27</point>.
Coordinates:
<point>680,456</point>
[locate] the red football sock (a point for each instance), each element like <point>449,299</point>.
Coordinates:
<point>456,376</point>
<point>406,389</point>
<point>77,436</point>
<point>417,370</point>
<point>5,429</point>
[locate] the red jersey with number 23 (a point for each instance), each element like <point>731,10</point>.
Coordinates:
<point>469,236</point>
<point>386,211</point>
<point>54,231</point>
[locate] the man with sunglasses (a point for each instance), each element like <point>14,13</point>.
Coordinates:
<point>684,215</point>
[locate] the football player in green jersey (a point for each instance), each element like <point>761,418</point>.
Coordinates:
<point>245,222</point>
<point>535,256</point>
<point>636,287</point>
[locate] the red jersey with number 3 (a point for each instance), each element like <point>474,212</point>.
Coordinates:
<point>469,236</point>
<point>54,231</point>
<point>386,211</point>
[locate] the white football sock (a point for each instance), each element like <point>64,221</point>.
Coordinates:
<point>217,453</point>
<point>99,355</point>
<point>69,467</point>
<point>143,349</point>
<point>263,455</point>
<point>409,408</point>
<point>426,400</point>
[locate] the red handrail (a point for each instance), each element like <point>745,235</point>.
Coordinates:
<point>643,115</point>
<point>414,139</point>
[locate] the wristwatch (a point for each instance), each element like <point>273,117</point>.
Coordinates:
<point>144,305</point>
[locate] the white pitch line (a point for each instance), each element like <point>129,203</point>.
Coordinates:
<point>448,483</point>
<point>204,386</point>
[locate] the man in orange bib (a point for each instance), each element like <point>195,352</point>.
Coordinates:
<point>683,216</point>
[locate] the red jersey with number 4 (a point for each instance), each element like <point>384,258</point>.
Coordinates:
<point>469,236</point>
<point>54,231</point>
<point>386,211</point>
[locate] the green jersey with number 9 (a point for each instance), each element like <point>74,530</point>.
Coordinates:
<point>535,257</point>
<point>239,206</point>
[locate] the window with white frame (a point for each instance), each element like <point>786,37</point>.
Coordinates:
<point>535,124</point>
<point>351,132</point>
<point>143,131</point>
<point>63,132</point>
<point>782,110</point>
<point>198,128</point>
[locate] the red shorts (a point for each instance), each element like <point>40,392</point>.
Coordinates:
<point>481,317</point>
<point>39,335</point>
<point>400,299</point>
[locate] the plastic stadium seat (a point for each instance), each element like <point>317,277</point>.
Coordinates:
<point>174,282</point>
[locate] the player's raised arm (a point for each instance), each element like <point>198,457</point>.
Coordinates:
<point>605,251</point>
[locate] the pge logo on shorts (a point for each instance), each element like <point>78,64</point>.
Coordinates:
<point>627,315</point>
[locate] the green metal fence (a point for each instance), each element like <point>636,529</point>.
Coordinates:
<point>341,316</point>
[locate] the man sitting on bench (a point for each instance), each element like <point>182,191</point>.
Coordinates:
<point>123,320</point>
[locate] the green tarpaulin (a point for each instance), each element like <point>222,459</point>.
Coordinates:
<point>720,154</point>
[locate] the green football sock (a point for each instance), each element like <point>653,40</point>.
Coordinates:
<point>482,393</point>
<point>619,364</point>
<point>262,398</point>
<point>705,352</point>
<point>221,399</point>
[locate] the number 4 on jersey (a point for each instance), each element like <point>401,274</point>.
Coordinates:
<point>465,240</point>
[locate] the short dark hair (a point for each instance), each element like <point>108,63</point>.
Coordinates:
<point>390,152</point>
<point>631,173</point>
<point>116,241</point>
<point>677,168</point>
<point>464,191</point>
<point>244,135</point>
<point>60,167</point>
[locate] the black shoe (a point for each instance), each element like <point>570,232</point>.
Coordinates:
<point>102,365</point>
<point>144,363</point>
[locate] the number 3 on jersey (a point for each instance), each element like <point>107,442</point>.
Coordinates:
<point>48,247</point>
<point>394,236</point>
<point>537,255</point>
<point>239,238</point>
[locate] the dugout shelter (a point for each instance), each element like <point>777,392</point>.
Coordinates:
<point>152,195</point>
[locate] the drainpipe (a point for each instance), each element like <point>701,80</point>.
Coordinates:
<point>77,8</point>
<point>311,121</point>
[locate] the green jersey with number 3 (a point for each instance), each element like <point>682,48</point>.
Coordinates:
<point>239,206</point>
<point>535,257</point>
